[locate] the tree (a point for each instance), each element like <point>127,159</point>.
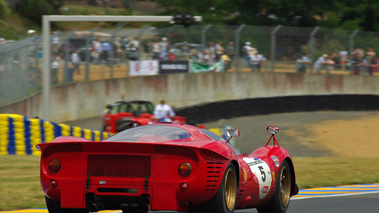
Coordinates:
<point>4,10</point>
<point>34,9</point>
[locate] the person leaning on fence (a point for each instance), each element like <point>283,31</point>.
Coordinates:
<point>302,63</point>
<point>75,60</point>
<point>254,60</point>
<point>54,68</point>
<point>246,54</point>
<point>226,61</point>
<point>320,63</point>
<point>96,50</point>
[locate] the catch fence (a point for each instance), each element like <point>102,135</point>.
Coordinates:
<point>281,46</point>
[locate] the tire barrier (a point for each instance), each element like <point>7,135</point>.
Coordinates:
<point>210,112</point>
<point>20,135</point>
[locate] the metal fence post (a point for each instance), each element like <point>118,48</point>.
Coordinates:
<point>140,33</point>
<point>67,56</point>
<point>204,35</point>
<point>237,46</point>
<point>312,46</point>
<point>273,46</point>
<point>112,52</point>
<point>88,52</point>
<point>351,42</point>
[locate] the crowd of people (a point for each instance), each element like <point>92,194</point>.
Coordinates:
<point>356,61</point>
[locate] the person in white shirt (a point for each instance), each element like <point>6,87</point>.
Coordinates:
<point>254,61</point>
<point>96,50</point>
<point>75,59</point>
<point>162,111</point>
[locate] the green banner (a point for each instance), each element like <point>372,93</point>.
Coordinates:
<point>196,67</point>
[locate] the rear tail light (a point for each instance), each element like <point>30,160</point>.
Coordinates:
<point>54,166</point>
<point>53,184</point>
<point>185,169</point>
<point>183,187</point>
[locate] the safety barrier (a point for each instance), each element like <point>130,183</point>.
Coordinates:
<point>20,135</point>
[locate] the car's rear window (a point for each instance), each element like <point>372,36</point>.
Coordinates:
<point>150,133</point>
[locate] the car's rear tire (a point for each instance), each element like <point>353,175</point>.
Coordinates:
<point>54,206</point>
<point>280,201</point>
<point>225,199</point>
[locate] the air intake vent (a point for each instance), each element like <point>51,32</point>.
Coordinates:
<point>214,175</point>
<point>119,166</point>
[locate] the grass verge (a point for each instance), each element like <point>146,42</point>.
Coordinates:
<point>20,186</point>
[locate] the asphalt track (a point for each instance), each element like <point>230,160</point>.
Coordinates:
<point>363,201</point>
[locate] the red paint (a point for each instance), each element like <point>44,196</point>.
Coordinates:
<point>159,161</point>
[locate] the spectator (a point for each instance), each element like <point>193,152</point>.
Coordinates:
<point>230,51</point>
<point>208,54</point>
<point>329,65</point>
<point>164,48</point>
<point>106,49</point>
<point>343,54</point>
<point>96,50</point>
<point>54,68</point>
<point>254,60</point>
<point>302,63</point>
<point>194,54</point>
<point>246,54</point>
<point>219,50</point>
<point>355,62</point>
<point>156,50</point>
<point>135,42</point>
<point>163,111</point>
<point>171,55</point>
<point>359,52</point>
<point>185,47</point>
<point>320,63</point>
<point>118,51</point>
<point>262,60</point>
<point>226,61</point>
<point>75,60</point>
<point>370,52</point>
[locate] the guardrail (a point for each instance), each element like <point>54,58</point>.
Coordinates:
<point>19,135</point>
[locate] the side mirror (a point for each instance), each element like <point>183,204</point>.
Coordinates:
<point>272,130</point>
<point>232,133</point>
<point>133,125</point>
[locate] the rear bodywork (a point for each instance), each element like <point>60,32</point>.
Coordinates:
<point>114,175</point>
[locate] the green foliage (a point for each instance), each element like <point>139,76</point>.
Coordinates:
<point>345,14</point>
<point>4,10</point>
<point>34,9</point>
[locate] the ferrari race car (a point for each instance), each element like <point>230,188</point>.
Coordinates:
<point>165,166</point>
<point>120,114</point>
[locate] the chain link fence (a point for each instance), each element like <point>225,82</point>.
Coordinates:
<point>279,47</point>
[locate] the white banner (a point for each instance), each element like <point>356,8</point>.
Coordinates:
<point>149,67</point>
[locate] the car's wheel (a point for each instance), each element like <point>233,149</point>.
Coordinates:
<point>55,207</point>
<point>225,199</point>
<point>123,126</point>
<point>52,205</point>
<point>281,199</point>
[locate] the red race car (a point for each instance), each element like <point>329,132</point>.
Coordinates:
<point>165,167</point>
<point>120,114</point>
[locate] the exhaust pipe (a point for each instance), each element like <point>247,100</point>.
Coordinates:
<point>94,207</point>
<point>92,198</point>
<point>146,200</point>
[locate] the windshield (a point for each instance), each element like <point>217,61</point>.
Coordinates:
<point>150,133</point>
<point>141,107</point>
